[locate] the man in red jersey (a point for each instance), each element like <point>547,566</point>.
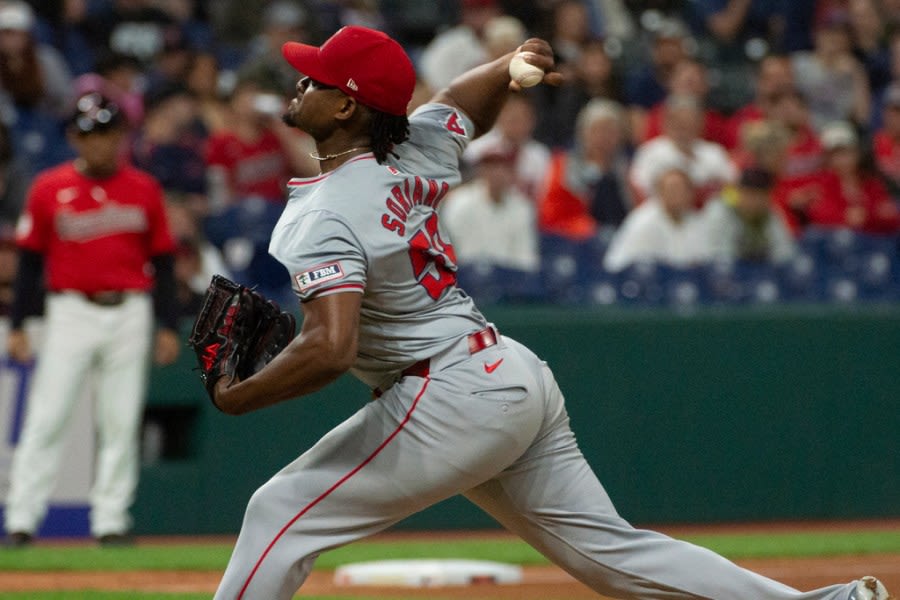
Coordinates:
<point>94,233</point>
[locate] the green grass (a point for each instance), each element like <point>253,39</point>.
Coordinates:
<point>213,557</point>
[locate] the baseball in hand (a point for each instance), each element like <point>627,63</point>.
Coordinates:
<point>523,73</point>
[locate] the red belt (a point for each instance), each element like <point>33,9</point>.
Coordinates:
<point>478,341</point>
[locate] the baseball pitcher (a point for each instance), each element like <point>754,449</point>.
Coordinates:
<point>458,408</point>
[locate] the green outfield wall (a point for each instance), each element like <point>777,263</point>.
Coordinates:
<point>714,416</point>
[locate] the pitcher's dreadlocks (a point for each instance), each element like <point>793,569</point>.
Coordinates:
<point>385,132</point>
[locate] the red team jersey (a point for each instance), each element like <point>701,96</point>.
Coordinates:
<point>95,234</point>
<point>254,169</point>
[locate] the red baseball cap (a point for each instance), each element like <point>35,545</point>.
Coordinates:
<point>363,63</point>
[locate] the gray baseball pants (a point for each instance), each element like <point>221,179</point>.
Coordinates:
<point>498,433</point>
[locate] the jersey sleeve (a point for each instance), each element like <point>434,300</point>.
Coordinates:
<point>438,134</point>
<point>34,230</point>
<point>323,256</point>
<point>161,241</point>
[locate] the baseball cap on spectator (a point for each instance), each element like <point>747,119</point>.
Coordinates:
<point>16,16</point>
<point>838,134</point>
<point>95,112</point>
<point>363,63</point>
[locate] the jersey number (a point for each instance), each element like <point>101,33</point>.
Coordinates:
<point>426,248</point>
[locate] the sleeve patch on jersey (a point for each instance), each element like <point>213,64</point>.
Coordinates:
<point>319,275</point>
<point>455,124</point>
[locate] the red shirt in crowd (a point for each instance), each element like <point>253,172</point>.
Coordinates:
<point>750,113</point>
<point>259,168</point>
<point>869,209</point>
<point>714,125</point>
<point>95,234</point>
<point>820,199</point>
<point>560,210</point>
<point>887,155</point>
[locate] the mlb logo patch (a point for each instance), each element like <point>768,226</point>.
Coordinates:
<point>319,275</point>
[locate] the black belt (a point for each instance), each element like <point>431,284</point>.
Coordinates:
<point>105,298</point>
<point>478,341</point>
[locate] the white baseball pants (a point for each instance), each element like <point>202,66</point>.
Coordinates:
<point>112,344</point>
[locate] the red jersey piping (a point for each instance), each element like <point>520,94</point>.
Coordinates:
<point>337,484</point>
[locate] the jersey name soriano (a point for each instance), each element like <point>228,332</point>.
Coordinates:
<point>374,229</point>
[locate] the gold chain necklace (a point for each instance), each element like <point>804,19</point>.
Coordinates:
<point>331,156</point>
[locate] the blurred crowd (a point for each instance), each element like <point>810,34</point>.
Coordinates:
<point>700,136</point>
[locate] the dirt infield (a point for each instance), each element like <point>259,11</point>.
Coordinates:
<point>540,583</point>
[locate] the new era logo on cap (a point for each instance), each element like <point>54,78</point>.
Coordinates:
<point>352,85</point>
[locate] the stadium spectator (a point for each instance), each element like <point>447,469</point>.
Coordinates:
<point>171,63</point>
<point>886,141</point>
<point>571,31</point>
<point>459,48</point>
<point>135,28</point>
<point>733,35</point>
<point>763,144</point>
<point>588,184</point>
<point>60,23</point>
<point>192,21</point>
<point>869,42</point>
<point>689,78</point>
<point>708,163</point>
<point>503,34</point>
<point>594,76</point>
<point>742,29</point>
<point>742,224</point>
<point>830,77</point>
<point>170,146</point>
<point>282,21</point>
<point>489,219</point>
<point>774,75</point>
<point>35,90</point>
<point>805,154</point>
<point>854,196</point>
<point>33,76</point>
<point>202,79</point>
<point>514,128</point>
<point>646,86</point>
<point>666,229</point>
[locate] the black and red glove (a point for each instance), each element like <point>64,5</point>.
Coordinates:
<point>237,332</point>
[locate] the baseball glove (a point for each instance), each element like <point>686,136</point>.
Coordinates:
<point>237,332</point>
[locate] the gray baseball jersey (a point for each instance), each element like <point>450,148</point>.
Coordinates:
<point>373,229</point>
<point>485,418</point>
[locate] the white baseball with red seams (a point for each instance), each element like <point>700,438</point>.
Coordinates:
<point>523,72</point>
<point>462,409</point>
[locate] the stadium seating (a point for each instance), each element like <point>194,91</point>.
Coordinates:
<point>835,266</point>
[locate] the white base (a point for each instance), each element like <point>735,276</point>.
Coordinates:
<point>427,573</point>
